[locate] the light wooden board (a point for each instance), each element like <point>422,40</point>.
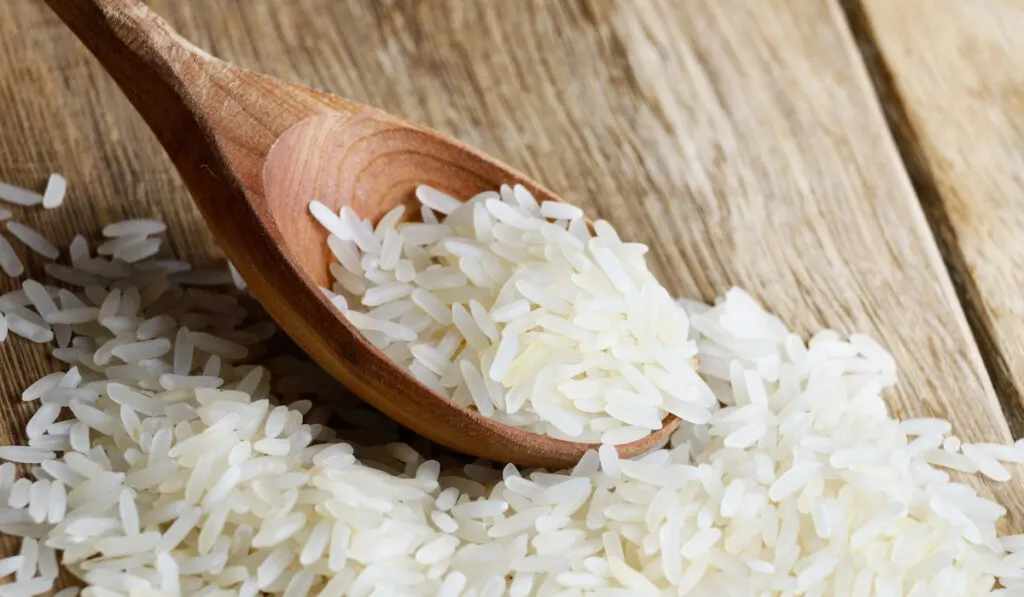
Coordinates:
<point>742,140</point>
<point>955,78</point>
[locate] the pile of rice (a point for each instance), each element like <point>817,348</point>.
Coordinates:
<point>169,458</point>
<point>514,308</point>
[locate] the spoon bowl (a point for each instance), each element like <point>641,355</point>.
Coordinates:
<point>254,151</point>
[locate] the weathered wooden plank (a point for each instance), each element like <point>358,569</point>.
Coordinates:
<point>952,72</point>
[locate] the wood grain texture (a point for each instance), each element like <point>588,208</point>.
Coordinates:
<point>741,139</point>
<point>953,76</point>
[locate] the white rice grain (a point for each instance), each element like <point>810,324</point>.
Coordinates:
<point>437,200</point>
<point>56,188</point>
<point>33,240</point>
<point>134,228</point>
<point>556,210</point>
<point>18,195</point>
<point>10,263</point>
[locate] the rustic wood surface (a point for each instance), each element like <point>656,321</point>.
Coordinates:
<point>743,140</point>
<point>954,76</point>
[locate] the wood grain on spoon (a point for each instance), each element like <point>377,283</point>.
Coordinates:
<point>254,151</point>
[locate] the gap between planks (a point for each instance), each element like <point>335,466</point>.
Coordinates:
<point>926,187</point>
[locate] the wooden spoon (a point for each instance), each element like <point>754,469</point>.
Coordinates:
<point>254,151</point>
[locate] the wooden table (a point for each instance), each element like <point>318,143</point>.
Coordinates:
<point>855,164</point>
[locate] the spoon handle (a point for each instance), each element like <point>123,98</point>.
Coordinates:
<point>213,118</point>
<point>157,69</point>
